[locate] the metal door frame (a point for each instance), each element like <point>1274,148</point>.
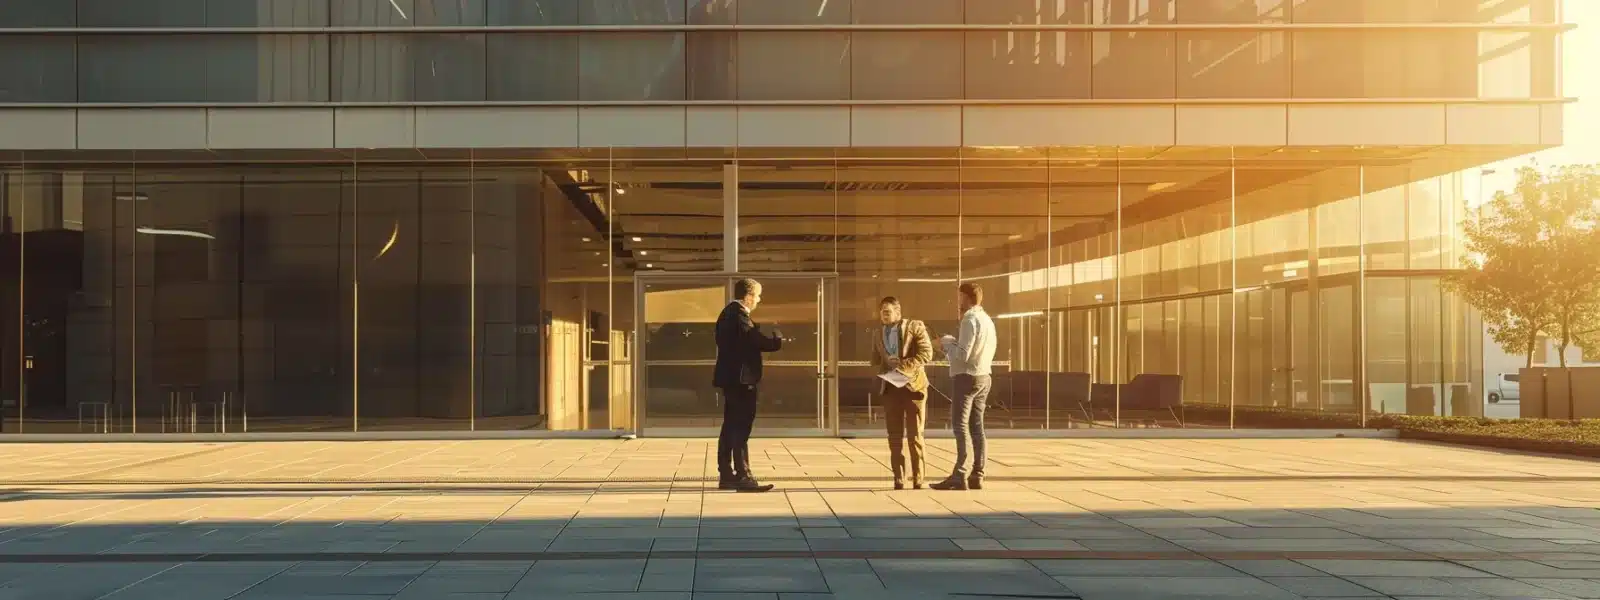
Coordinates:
<point>827,347</point>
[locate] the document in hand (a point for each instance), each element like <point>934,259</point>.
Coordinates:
<point>895,378</point>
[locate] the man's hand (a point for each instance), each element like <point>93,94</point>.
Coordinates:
<point>894,362</point>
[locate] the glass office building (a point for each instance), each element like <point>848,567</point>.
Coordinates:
<point>524,215</point>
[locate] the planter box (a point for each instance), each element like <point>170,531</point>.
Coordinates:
<point>1560,393</point>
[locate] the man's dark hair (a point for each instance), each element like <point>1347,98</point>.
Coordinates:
<point>743,288</point>
<point>888,301</point>
<point>973,292</point>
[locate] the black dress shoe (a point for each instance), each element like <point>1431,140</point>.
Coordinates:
<point>953,483</point>
<point>974,483</point>
<point>727,484</point>
<point>899,486</point>
<point>751,486</point>
<point>916,486</point>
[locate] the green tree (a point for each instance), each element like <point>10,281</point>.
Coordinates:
<point>1533,261</point>
<point>1503,274</point>
<point>1567,207</point>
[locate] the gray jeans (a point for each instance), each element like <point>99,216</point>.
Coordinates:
<point>966,421</point>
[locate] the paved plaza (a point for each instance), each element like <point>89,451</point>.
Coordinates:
<point>1097,519</point>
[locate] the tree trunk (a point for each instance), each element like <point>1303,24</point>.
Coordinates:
<point>1533,341</point>
<point>1566,338</point>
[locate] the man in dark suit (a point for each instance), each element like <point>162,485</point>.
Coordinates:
<point>740,343</point>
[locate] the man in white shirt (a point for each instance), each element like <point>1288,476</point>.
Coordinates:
<point>971,355</point>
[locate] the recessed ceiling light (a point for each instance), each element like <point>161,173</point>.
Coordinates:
<point>649,265</point>
<point>638,239</point>
<point>588,239</point>
<point>1014,237</point>
<point>1165,185</point>
<point>644,253</point>
<point>605,264</point>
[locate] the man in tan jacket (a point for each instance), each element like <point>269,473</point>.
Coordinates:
<point>903,347</point>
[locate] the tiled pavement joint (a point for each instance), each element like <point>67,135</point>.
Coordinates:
<point>1096,519</point>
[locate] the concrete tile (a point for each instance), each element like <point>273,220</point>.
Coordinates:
<point>1134,568</point>
<point>668,575</point>
<point>1407,586</point>
<point>1326,587</point>
<point>817,533</point>
<point>1142,545</point>
<point>756,545</point>
<point>758,575</point>
<point>759,533</point>
<point>1184,522</point>
<point>1500,588</point>
<point>884,544</point>
<point>1393,568</point>
<point>569,595</point>
<point>849,575</point>
<point>582,576</point>
<point>1124,588</point>
<point>980,544</point>
<point>993,576</point>
<point>1063,545</point>
<point>915,532</point>
<point>1524,569</point>
<point>1283,533</point>
<point>1273,568</point>
<point>1577,588</point>
<point>565,544</point>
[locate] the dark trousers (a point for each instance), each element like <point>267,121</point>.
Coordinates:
<point>738,418</point>
<point>905,412</point>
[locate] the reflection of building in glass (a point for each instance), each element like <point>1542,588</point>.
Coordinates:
<point>309,215</point>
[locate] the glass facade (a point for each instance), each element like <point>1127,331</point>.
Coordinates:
<point>1132,286</point>
<point>427,51</point>
<point>569,289</point>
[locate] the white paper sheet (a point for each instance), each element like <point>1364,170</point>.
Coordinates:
<point>895,378</point>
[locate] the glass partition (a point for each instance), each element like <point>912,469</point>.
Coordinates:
<point>390,291</point>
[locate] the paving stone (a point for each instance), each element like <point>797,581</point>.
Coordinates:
<point>582,576</point>
<point>668,575</point>
<point>1151,568</point>
<point>1393,568</point>
<point>1130,588</point>
<point>994,576</point>
<point>758,575</point>
<point>1577,588</point>
<point>1321,587</point>
<point>1273,568</point>
<point>1270,500</point>
<point>849,575</point>
<point>1408,586</point>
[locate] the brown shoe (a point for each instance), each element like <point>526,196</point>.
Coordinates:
<point>974,483</point>
<point>750,485</point>
<point>899,485</point>
<point>950,484</point>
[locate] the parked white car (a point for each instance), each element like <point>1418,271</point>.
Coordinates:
<point>1505,386</point>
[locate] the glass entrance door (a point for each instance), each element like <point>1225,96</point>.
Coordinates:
<point>677,352</point>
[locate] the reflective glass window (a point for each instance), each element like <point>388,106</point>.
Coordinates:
<point>533,66</point>
<point>905,65</point>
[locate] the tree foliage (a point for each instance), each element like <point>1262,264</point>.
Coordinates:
<point>1533,261</point>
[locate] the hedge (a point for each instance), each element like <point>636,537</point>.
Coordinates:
<point>1581,438</point>
<point>1554,436</point>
